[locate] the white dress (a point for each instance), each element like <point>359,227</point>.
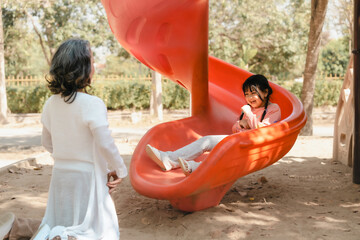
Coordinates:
<point>79,139</point>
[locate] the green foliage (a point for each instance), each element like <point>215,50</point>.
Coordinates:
<point>119,65</point>
<point>176,97</point>
<point>59,19</point>
<point>136,95</point>
<point>268,38</point>
<point>116,95</point>
<point>335,57</point>
<point>326,92</point>
<point>343,17</point>
<point>55,22</point>
<point>247,55</point>
<point>27,99</point>
<point>123,94</point>
<point>22,54</point>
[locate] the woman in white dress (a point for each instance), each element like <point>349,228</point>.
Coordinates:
<point>76,133</point>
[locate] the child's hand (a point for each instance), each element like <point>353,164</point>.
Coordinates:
<point>243,124</point>
<point>240,126</point>
<point>112,184</point>
<point>246,108</point>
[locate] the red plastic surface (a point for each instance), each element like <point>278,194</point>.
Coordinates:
<point>170,36</point>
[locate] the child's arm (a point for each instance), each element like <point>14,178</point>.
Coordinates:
<point>240,126</point>
<point>273,114</point>
<point>236,127</point>
<point>250,116</point>
<point>271,117</point>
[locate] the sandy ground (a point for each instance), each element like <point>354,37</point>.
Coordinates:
<point>305,195</point>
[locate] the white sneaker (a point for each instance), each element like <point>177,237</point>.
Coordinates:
<point>155,155</point>
<point>163,161</point>
<point>188,166</point>
<point>6,223</point>
<point>185,167</point>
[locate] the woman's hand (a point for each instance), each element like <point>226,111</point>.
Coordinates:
<point>112,184</point>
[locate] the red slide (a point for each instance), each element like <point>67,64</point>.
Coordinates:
<point>171,37</point>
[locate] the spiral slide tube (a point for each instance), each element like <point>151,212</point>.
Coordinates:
<point>171,37</point>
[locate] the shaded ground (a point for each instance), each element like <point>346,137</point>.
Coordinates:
<point>303,196</point>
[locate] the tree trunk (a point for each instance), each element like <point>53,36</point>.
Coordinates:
<point>46,55</point>
<point>3,100</point>
<point>156,107</point>
<point>318,13</point>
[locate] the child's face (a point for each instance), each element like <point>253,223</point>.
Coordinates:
<point>253,99</point>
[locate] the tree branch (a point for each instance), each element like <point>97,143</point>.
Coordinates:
<point>40,38</point>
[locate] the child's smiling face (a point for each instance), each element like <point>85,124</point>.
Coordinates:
<point>255,97</point>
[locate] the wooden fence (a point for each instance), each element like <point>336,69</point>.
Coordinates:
<point>24,81</point>
<point>34,81</point>
<point>330,77</point>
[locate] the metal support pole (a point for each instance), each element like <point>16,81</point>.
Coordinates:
<point>356,52</point>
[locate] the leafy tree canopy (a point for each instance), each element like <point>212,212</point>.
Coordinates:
<point>33,30</point>
<point>268,37</point>
<point>335,57</point>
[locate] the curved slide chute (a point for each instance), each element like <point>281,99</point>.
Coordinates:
<point>171,37</point>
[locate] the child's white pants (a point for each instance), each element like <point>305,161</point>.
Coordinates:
<point>194,149</point>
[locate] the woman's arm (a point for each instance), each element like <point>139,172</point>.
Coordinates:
<point>109,151</point>
<point>46,140</point>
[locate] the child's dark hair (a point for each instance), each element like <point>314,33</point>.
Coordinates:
<point>256,82</point>
<point>259,82</point>
<point>70,69</point>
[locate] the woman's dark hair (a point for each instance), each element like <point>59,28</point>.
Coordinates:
<point>70,69</point>
<point>258,82</point>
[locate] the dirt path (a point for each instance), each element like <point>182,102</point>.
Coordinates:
<point>303,196</point>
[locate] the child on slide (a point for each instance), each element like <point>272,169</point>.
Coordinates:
<point>257,113</point>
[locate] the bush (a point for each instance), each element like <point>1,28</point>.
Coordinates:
<point>27,99</point>
<point>175,97</point>
<point>116,95</point>
<point>326,92</point>
<point>136,95</point>
<point>335,56</point>
<point>124,94</point>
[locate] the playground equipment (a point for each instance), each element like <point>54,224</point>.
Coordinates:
<point>344,120</point>
<point>170,37</point>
